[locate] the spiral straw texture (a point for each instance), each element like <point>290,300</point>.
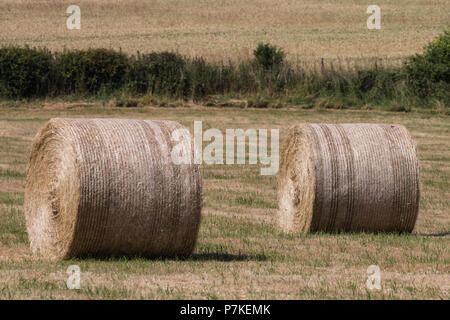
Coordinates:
<point>108,187</point>
<point>348,177</point>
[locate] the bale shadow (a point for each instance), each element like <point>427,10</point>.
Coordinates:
<point>226,257</point>
<point>441,234</point>
<point>211,256</point>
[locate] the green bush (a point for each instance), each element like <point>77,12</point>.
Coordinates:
<point>428,74</point>
<point>268,56</point>
<point>88,71</point>
<point>365,80</point>
<point>159,74</point>
<point>25,72</point>
<point>207,79</point>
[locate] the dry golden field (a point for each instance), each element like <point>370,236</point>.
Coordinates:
<point>240,252</point>
<point>229,29</point>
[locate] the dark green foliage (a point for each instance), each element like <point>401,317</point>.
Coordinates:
<point>88,71</point>
<point>428,73</point>
<point>25,72</point>
<point>159,74</point>
<point>365,80</point>
<point>377,83</point>
<point>204,79</point>
<point>268,56</point>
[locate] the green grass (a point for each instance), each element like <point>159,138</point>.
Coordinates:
<point>11,174</point>
<point>11,198</point>
<point>11,144</point>
<point>227,198</point>
<point>12,226</point>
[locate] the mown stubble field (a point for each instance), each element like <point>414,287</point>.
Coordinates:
<point>240,252</point>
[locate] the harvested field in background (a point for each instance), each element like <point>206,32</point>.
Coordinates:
<point>217,30</point>
<point>240,252</point>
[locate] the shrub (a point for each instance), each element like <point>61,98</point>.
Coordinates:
<point>88,71</point>
<point>206,78</point>
<point>430,70</point>
<point>365,80</point>
<point>268,56</point>
<point>159,73</point>
<point>25,72</point>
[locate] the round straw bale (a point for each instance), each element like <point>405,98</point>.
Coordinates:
<point>109,187</point>
<point>348,177</point>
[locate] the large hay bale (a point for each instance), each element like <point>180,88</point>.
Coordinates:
<point>348,177</point>
<point>108,187</point>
